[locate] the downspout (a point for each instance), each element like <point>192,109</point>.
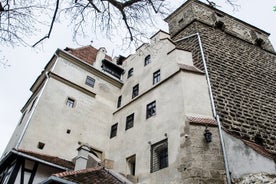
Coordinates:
<point>34,107</point>
<point>216,116</point>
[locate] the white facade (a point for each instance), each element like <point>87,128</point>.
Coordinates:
<point>177,93</point>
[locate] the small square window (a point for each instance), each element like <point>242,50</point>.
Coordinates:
<point>135,91</point>
<point>159,155</point>
<point>151,109</point>
<point>90,81</point>
<point>129,121</point>
<point>113,131</point>
<point>156,77</point>
<point>70,102</point>
<point>68,131</point>
<point>40,145</point>
<point>130,73</point>
<point>147,60</point>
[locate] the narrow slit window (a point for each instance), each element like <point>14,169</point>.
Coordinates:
<point>135,91</point>
<point>129,121</point>
<point>147,60</point>
<point>130,73</point>
<point>151,109</point>
<point>119,102</point>
<point>156,77</point>
<point>113,131</point>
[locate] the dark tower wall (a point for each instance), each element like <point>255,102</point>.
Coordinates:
<point>242,69</point>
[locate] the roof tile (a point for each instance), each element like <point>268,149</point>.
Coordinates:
<point>48,158</point>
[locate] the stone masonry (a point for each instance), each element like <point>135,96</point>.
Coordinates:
<point>242,73</point>
<point>200,162</point>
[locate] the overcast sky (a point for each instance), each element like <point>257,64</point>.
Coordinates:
<point>27,63</point>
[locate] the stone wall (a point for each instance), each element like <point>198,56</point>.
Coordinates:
<point>257,178</point>
<point>243,78</point>
<point>200,162</point>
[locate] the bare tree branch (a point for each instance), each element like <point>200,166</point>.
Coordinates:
<point>19,19</point>
<point>51,26</point>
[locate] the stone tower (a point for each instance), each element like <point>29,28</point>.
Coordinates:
<point>241,64</point>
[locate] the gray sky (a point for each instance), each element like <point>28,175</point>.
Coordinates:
<point>27,63</point>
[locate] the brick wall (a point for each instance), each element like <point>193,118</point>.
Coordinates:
<point>243,80</point>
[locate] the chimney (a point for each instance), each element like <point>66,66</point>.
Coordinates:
<point>82,158</point>
<point>100,56</point>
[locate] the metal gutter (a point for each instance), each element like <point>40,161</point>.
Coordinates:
<point>226,165</point>
<point>56,179</point>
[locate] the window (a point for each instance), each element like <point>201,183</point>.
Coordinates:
<point>113,131</point>
<point>119,101</point>
<point>147,60</point>
<point>156,77</point>
<point>129,121</point>
<point>131,163</point>
<point>159,155</point>
<point>90,81</point>
<point>40,145</point>
<point>70,102</point>
<point>151,109</point>
<point>130,73</point>
<point>135,91</point>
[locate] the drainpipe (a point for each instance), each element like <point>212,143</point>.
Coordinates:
<point>216,116</point>
<point>34,107</point>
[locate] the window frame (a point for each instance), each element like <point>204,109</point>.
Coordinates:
<point>147,60</point>
<point>159,156</point>
<point>131,164</point>
<point>129,121</point>
<point>119,101</point>
<point>130,73</point>
<point>156,77</point>
<point>135,91</point>
<point>113,130</point>
<point>70,102</point>
<point>90,81</point>
<point>151,109</point>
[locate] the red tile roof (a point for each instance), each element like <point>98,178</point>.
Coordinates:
<point>97,175</point>
<point>48,158</point>
<point>86,53</point>
<point>202,121</point>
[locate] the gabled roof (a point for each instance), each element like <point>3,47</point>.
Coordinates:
<point>98,175</point>
<point>86,53</point>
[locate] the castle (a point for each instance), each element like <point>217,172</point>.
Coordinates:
<point>195,105</point>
